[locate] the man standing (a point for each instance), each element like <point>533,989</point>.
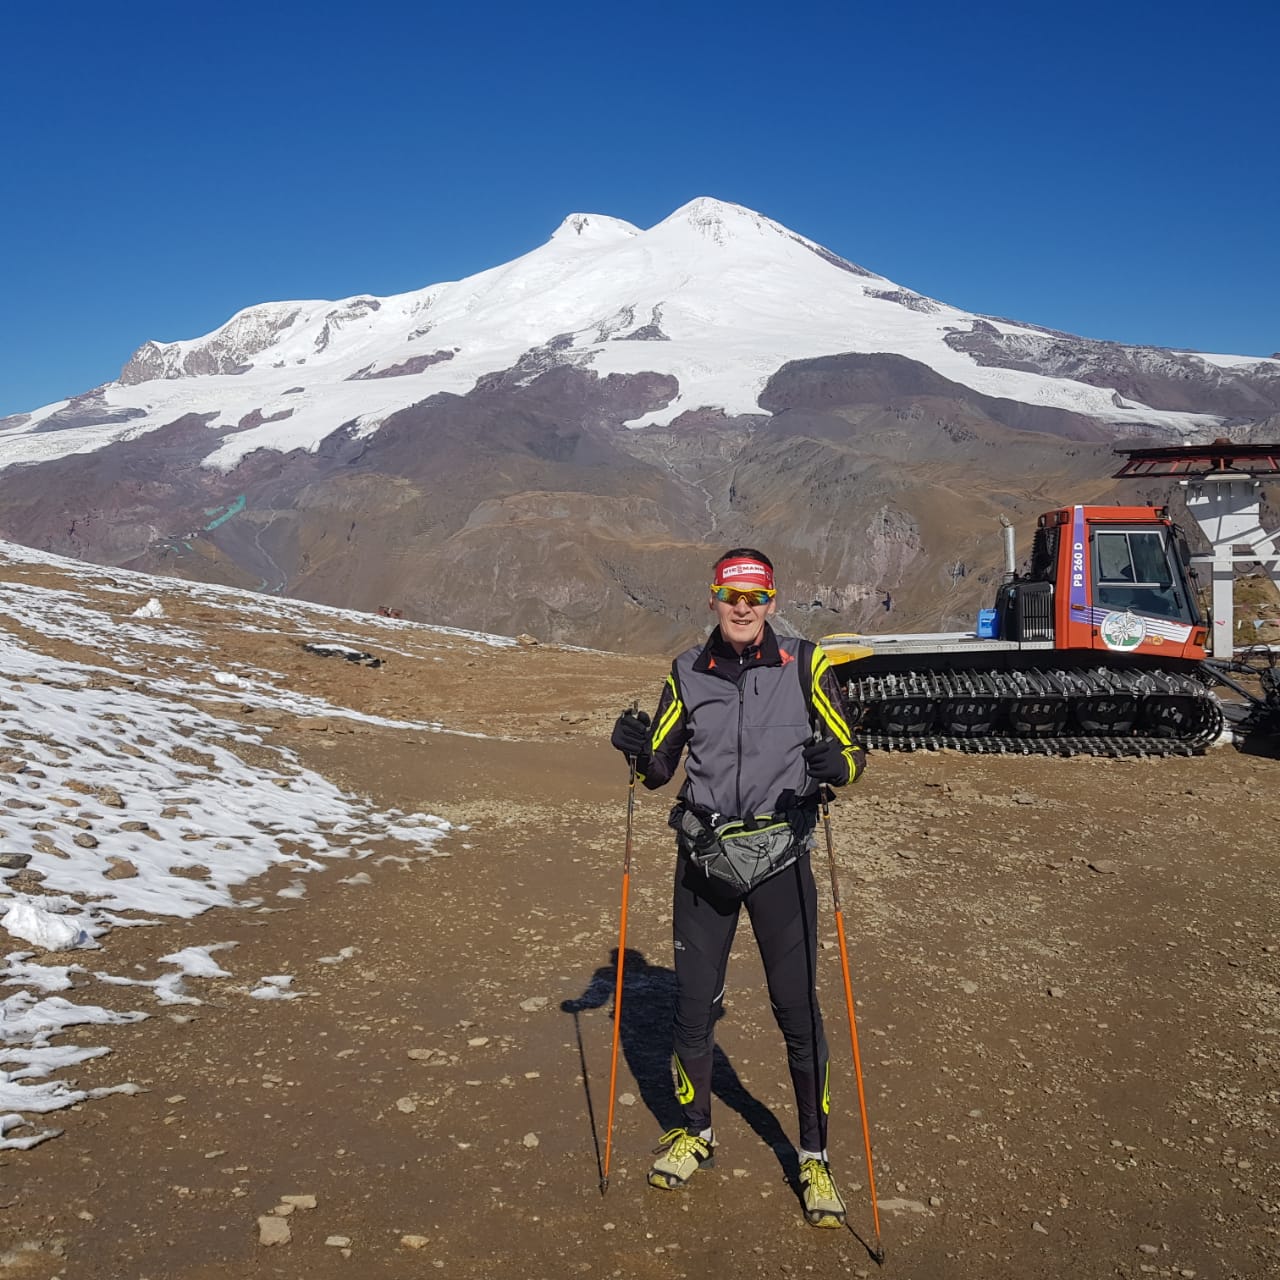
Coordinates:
<point>764,726</point>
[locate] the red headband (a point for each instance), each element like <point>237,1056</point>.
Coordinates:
<point>744,572</point>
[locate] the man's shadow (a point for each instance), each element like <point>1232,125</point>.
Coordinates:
<point>648,1002</point>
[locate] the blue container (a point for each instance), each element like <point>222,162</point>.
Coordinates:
<point>988,626</point>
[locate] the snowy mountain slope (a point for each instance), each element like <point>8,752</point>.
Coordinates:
<point>715,295</point>
<point>142,780</point>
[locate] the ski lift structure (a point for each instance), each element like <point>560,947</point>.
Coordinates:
<point>1223,495</point>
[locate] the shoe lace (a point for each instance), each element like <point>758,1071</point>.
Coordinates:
<point>682,1143</point>
<point>819,1179</point>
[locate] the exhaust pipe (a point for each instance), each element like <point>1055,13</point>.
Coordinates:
<point>1010,557</point>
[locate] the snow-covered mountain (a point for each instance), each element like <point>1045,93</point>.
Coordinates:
<point>715,296</point>
<point>562,445</point>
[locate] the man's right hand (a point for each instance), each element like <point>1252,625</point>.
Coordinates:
<point>631,735</point>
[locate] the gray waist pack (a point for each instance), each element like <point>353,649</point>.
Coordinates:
<point>743,853</point>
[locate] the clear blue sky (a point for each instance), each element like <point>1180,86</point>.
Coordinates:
<point>1110,169</point>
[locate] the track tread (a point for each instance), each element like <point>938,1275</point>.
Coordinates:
<point>1046,702</point>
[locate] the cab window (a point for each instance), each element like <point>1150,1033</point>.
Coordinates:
<point>1132,570</point>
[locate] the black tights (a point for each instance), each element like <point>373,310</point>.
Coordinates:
<point>783,913</point>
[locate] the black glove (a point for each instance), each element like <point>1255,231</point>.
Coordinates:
<point>825,761</point>
<point>631,735</point>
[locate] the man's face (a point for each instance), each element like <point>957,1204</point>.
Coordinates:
<point>741,622</point>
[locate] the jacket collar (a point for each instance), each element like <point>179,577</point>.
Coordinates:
<point>719,657</point>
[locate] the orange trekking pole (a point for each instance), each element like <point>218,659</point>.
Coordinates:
<point>878,1252</point>
<point>617,982</point>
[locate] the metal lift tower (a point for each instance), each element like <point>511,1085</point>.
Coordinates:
<point>1224,494</point>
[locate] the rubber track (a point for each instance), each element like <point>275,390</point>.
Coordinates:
<point>1065,690</point>
<point>1134,745</point>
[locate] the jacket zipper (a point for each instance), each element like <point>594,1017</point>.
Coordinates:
<point>742,688</point>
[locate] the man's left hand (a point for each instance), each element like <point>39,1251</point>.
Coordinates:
<point>825,761</point>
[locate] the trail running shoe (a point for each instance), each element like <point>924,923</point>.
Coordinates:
<point>822,1204</point>
<point>683,1154</point>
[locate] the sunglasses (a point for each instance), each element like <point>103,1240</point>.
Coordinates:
<point>731,595</point>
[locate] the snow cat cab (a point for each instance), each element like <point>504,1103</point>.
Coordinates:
<point>1097,649</point>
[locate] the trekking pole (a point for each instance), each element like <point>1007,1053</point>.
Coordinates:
<point>878,1252</point>
<point>617,982</point>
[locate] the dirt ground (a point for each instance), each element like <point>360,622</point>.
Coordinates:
<point>1066,980</point>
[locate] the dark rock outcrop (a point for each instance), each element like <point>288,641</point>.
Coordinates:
<point>415,364</point>
<point>881,379</point>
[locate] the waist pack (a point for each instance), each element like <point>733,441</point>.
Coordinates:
<point>743,853</point>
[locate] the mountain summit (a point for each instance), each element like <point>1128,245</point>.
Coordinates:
<point>715,296</point>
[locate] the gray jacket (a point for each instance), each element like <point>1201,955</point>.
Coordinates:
<point>745,719</point>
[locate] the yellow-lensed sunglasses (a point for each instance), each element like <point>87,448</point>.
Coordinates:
<point>755,596</point>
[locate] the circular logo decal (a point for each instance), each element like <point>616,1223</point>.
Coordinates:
<point>1122,631</point>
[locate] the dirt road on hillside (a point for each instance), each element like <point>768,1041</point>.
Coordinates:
<point>1067,996</point>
